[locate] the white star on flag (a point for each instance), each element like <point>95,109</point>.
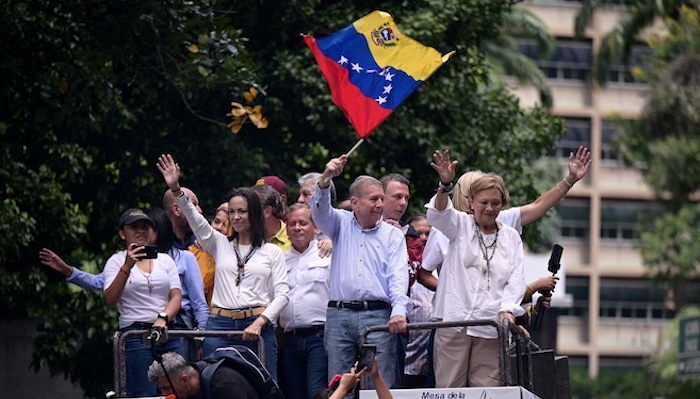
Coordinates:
<point>388,76</point>
<point>357,68</point>
<point>342,60</point>
<point>380,100</point>
<point>387,89</point>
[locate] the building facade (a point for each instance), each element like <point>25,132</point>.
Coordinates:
<point>617,314</point>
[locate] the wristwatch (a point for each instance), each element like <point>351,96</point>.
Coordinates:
<point>163,315</point>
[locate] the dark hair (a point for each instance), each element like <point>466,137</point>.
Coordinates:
<point>163,227</point>
<point>399,178</point>
<point>255,215</point>
<point>272,198</point>
<point>418,217</point>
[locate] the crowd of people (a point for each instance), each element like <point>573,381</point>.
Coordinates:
<point>310,278</point>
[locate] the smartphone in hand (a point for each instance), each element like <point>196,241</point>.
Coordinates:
<point>366,358</point>
<point>151,251</point>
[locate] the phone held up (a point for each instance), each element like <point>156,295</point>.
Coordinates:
<point>366,358</point>
<point>151,251</point>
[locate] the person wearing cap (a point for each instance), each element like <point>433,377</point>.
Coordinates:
<point>147,293</point>
<point>274,211</point>
<point>276,183</point>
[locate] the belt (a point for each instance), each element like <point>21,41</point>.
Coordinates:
<point>238,314</point>
<point>306,331</point>
<point>358,305</point>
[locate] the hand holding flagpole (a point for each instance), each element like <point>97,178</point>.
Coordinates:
<point>334,168</point>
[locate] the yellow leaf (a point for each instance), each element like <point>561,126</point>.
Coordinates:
<point>250,94</point>
<point>263,123</point>
<point>248,109</point>
<point>257,109</point>
<point>237,105</point>
<point>255,118</point>
<point>193,48</point>
<point>236,128</point>
<point>237,112</point>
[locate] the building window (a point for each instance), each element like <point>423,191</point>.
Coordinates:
<point>571,62</point>
<point>627,299</point>
<point>578,134</point>
<point>620,220</point>
<point>621,73</point>
<point>574,218</point>
<point>608,154</point>
<point>578,288</point>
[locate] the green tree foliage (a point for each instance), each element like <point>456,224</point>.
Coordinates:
<point>665,145</point>
<point>640,15</point>
<point>664,363</point>
<point>94,91</point>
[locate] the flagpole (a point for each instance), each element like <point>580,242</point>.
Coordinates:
<point>355,147</point>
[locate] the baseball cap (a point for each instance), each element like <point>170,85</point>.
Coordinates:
<point>133,215</point>
<point>274,182</point>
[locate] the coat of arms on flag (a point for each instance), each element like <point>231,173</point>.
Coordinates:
<point>371,67</point>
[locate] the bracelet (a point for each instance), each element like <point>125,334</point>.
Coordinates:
<point>563,194</point>
<point>121,269</point>
<point>182,193</point>
<point>445,188</point>
<point>567,183</point>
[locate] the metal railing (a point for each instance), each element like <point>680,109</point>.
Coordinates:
<point>119,349</point>
<point>510,339</point>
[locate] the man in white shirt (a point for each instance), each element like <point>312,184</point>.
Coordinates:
<point>303,356</point>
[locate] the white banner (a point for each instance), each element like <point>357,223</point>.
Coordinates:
<point>455,393</point>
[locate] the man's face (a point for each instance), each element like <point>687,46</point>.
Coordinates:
<point>396,200</point>
<point>368,207</point>
<point>305,193</point>
<point>300,228</point>
<point>422,227</point>
<point>180,383</point>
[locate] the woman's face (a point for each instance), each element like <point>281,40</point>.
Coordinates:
<point>487,204</point>
<point>139,232</point>
<point>219,222</point>
<point>238,214</point>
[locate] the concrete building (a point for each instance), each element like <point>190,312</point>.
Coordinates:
<point>616,314</point>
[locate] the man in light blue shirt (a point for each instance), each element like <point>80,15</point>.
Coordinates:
<point>369,281</point>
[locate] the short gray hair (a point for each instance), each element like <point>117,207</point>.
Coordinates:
<point>314,177</point>
<point>357,187</point>
<point>174,364</point>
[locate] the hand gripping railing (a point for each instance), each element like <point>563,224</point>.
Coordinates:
<point>510,338</point>
<point>119,349</point>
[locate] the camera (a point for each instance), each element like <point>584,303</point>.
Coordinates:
<point>366,358</point>
<point>151,251</point>
<point>157,336</point>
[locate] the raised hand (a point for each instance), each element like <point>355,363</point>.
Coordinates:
<point>170,170</point>
<point>443,165</point>
<point>578,164</point>
<point>50,259</point>
<point>334,168</point>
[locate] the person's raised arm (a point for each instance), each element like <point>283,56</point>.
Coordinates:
<point>50,259</point>
<point>171,173</point>
<point>334,168</point>
<point>446,171</point>
<point>578,167</point>
<point>380,386</point>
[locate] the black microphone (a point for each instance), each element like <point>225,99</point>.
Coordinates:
<point>554,266</point>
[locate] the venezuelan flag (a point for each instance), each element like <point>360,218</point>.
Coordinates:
<point>371,67</point>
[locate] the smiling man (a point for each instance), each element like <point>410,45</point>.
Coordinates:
<point>368,273</point>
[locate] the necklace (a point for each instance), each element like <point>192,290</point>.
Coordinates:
<point>486,260</point>
<point>148,275</point>
<point>242,261</point>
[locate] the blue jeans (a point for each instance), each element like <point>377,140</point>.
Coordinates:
<point>343,336</point>
<point>139,358</point>
<point>221,323</point>
<point>304,365</point>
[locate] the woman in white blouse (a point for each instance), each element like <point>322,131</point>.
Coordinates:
<point>483,276</point>
<point>250,284</point>
<point>147,294</point>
